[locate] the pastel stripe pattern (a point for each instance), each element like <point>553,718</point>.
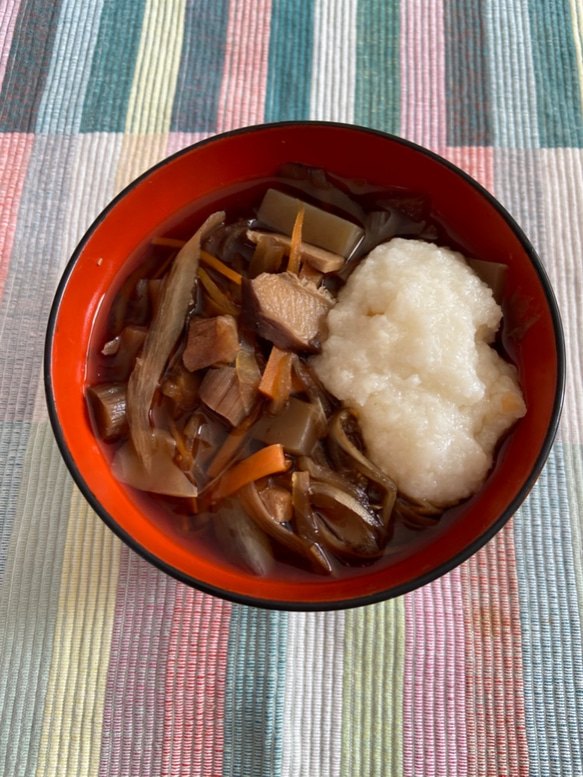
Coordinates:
<point>551,627</point>
<point>60,109</point>
<point>152,92</point>
<point>291,42</point>
<point>33,36</point>
<point>7,25</point>
<point>196,681</point>
<point>110,668</point>
<point>373,678</point>
<point>201,67</point>
<point>311,733</point>
<point>334,60</point>
<point>556,71</point>
<point>82,644</point>
<point>254,692</point>
<point>15,151</point>
<point>29,600</point>
<point>377,91</point>
<point>244,83</point>
<point>435,649</point>
<point>469,118</point>
<point>423,92</point>
<point>112,67</point>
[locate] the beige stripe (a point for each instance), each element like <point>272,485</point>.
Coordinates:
<point>138,154</point>
<point>334,61</point>
<point>95,162</point>
<point>562,171</point>
<point>71,731</point>
<point>156,72</point>
<point>577,27</point>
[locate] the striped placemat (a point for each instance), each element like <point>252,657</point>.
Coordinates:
<point>107,666</point>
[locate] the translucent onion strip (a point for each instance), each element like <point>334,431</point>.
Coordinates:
<point>166,328</point>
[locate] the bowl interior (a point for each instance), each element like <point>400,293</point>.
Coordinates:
<point>201,175</point>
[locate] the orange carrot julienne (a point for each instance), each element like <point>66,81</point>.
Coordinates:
<point>266,461</point>
<point>295,251</point>
<point>205,257</point>
<point>171,242</point>
<point>273,378</point>
<point>215,293</point>
<point>221,267</point>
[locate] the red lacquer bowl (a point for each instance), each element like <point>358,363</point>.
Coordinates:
<point>197,176</point>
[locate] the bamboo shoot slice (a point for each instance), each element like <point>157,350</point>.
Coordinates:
<point>320,228</point>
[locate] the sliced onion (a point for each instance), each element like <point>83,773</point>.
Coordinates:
<point>166,328</point>
<point>164,477</point>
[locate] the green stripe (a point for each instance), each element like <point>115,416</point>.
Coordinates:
<point>372,714</point>
<point>555,67</point>
<point>467,78</point>
<point>112,69</point>
<point>254,693</point>
<point>377,91</point>
<point>290,60</point>
<point>29,600</point>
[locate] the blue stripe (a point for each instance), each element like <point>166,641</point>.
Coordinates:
<point>290,60</point>
<point>61,106</point>
<point>254,693</point>
<point>551,624</point>
<point>201,66</point>
<point>514,110</point>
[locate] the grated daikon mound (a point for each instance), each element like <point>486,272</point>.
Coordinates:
<point>409,346</point>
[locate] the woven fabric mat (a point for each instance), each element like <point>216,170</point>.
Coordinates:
<point>107,666</point>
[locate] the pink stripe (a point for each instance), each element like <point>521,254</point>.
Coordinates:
<point>423,100</point>
<point>434,704</point>
<point>179,140</point>
<point>494,709</point>
<point>8,13</point>
<point>244,86</point>
<point>134,701</point>
<point>15,151</point>
<point>477,161</point>
<point>195,685</point>
<point>494,684</point>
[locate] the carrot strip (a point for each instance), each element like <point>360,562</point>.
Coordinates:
<point>266,461</point>
<point>275,369</point>
<point>215,293</point>
<point>221,267</point>
<point>172,242</point>
<point>295,251</point>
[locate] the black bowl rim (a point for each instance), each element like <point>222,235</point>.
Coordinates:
<point>322,605</point>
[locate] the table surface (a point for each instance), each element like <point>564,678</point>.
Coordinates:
<point>109,667</point>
